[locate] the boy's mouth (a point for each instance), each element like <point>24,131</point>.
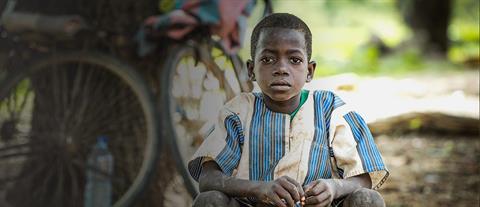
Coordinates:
<point>280,85</point>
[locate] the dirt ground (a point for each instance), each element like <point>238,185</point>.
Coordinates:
<point>431,170</point>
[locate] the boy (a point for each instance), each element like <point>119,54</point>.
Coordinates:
<point>287,146</point>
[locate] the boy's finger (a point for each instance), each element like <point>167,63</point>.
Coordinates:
<point>299,187</point>
<point>318,188</point>
<point>312,200</point>
<point>309,186</point>
<point>324,203</point>
<point>291,188</point>
<point>282,193</point>
<point>277,201</point>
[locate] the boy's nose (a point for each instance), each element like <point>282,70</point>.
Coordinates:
<point>281,69</point>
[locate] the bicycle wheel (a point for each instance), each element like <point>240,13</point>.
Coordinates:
<point>50,116</point>
<point>195,83</point>
<point>232,62</point>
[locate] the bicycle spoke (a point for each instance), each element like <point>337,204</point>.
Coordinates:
<point>195,97</point>
<point>59,187</point>
<point>75,187</point>
<point>57,111</point>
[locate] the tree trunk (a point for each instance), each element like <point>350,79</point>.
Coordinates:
<point>434,123</point>
<point>429,20</point>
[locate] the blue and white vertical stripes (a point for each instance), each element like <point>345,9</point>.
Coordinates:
<point>267,141</point>
<point>369,154</point>
<point>260,144</point>
<point>229,158</point>
<point>319,165</point>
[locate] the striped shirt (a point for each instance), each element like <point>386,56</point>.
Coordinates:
<point>325,139</point>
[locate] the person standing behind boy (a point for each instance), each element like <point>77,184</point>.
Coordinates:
<point>287,146</point>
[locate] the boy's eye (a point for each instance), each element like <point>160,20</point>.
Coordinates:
<point>295,60</point>
<point>266,60</point>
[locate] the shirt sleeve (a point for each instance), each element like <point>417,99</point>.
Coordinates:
<point>223,145</point>
<point>354,149</point>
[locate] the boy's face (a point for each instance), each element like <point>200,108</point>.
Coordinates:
<point>281,66</point>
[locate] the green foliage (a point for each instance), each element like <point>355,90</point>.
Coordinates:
<point>402,62</point>
<point>415,123</point>
<point>466,10</point>
<point>465,41</point>
<point>323,69</point>
<point>342,31</point>
<point>464,31</point>
<point>365,60</point>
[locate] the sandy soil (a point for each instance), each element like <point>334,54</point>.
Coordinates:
<point>431,170</point>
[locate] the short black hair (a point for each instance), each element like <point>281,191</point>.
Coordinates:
<point>281,20</point>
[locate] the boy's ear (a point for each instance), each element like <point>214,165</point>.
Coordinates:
<point>250,67</point>
<point>311,70</point>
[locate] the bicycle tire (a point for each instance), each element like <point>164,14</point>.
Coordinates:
<point>238,66</point>
<point>241,73</point>
<point>82,68</point>
<point>179,146</point>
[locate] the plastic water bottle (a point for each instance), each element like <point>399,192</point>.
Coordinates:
<point>98,191</point>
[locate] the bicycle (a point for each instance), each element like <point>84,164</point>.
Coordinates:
<point>185,132</point>
<point>56,101</point>
<point>33,135</point>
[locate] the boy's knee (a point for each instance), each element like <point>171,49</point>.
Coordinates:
<point>364,197</point>
<point>211,198</point>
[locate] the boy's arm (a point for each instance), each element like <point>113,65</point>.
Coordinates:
<point>323,191</point>
<point>212,178</point>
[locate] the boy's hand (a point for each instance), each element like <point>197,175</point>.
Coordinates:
<point>283,188</point>
<point>320,192</point>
